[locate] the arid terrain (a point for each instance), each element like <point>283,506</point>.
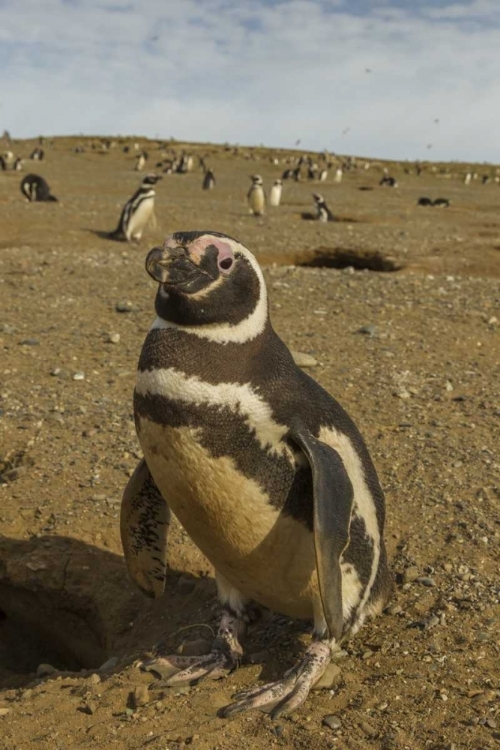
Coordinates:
<point>411,350</point>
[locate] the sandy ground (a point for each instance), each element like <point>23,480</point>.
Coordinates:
<point>414,356</point>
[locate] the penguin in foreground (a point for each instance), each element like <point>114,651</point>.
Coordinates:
<point>35,188</point>
<point>323,212</point>
<point>256,196</point>
<point>275,194</point>
<point>137,211</point>
<point>262,467</point>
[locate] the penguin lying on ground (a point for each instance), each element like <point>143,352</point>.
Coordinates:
<point>440,202</point>
<point>35,188</point>
<point>262,467</point>
<point>137,211</point>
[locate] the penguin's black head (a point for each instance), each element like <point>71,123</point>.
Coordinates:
<point>318,198</point>
<point>151,179</point>
<point>207,279</point>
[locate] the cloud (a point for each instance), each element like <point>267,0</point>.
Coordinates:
<point>257,71</point>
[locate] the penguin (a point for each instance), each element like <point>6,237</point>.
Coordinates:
<point>323,175</point>
<point>323,212</point>
<point>38,154</point>
<point>338,175</point>
<point>18,165</point>
<point>441,202</point>
<point>467,178</point>
<point>264,469</point>
<point>140,162</point>
<point>137,211</point>
<point>275,194</point>
<point>424,201</point>
<point>35,188</point>
<point>256,196</point>
<point>208,180</point>
<point>287,174</point>
<point>387,181</point>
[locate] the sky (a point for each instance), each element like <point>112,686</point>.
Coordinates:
<point>401,79</point>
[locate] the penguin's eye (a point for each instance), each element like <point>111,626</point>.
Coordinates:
<point>225,264</point>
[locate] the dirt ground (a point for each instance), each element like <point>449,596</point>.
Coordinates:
<point>414,356</point>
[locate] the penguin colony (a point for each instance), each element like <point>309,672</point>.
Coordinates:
<point>263,468</point>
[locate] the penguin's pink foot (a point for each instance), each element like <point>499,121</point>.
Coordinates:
<point>224,657</point>
<point>284,696</point>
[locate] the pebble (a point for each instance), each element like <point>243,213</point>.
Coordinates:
<point>125,306</point>
<point>491,723</point>
<point>94,679</point>
<point>5,711</point>
<point>30,342</point>
<point>330,678</point>
<point>368,729</point>
<point>302,359</point>
<point>411,574</point>
<point>140,696</point>
<point>89,708</point>
<point>9,330</point>
<point>43,670</point>
<point>79,376</point>
<point>425,581</point>
<point>58,372</point>
<point>369,330</point>
<point>331,721</point>
<point>114,338</point>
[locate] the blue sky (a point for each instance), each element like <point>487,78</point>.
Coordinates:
<point>401,78</point>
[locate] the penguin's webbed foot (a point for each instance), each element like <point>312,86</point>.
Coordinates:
<point>224,657</point>
<point>284,696</point>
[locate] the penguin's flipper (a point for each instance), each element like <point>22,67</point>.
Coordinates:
<point>333,500</point>
<point>144,521</point>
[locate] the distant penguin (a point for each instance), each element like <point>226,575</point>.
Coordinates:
<point>485,179</point>
<point>256,196</point>
<point>275,194</point>
<point>38,154</point>
<point>287,174</point>
<point>312,172</point>
<point>467,178</point>
<point>140,162</point>
<point>18,165</point>
<point>297,176</point>
<point>137,211</point>
<point>3,164</point>
<point>323,175</point>
<point>441,202</point>
<point>387,181</point>
<point>208,180</point>
<point>424,201</point>
<point>338,175</point>
<point>323,212</point>
<point>35,188</point>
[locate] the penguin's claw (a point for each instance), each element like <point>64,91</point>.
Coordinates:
<point>192,668</point>
<point>284,696</point>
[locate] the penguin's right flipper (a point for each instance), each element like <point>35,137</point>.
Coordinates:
<point>144,522</point>
<point>333,500</point>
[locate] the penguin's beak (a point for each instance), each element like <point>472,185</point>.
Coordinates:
<point>173,267</point>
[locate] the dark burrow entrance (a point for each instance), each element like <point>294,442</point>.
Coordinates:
<point>46,628</point>
<point>324,257</point>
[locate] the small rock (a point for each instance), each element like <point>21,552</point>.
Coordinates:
<point>5,711</point>
<point>491,723</point>
<point>94,679</point>
<point>58,372</point>
<point>26,695</point>
<point>43,670</point>
<point>394,609</point>
<point>410,574</point>
<point>30,342</point>
<point>140,696</point>
<point>79,376</point>
<point>369,330</point>
<point>125,306</point>
<point>330,678</point>
<point>425,581</point>
<point>368,729</point>
<point>89,707</point>
<point>8,329</point>
<point>331,721</point>
<point>114,338</point>
<point>302,359</point>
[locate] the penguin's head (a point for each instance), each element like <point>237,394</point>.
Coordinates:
<point>318,198</point>
<point>151,178</point>
<point>256,179</point>
<point>278,182</point>
<point>208,280</point>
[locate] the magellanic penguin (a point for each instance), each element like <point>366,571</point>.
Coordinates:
<point>137,211</point>
<point>323,212</point>
<point>35,188</point>
<point>275,194</point>
<point>256,196</point>
<point>208,180</point>
<point>263,468</point>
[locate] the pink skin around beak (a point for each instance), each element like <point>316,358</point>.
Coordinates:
<point>196,250</point>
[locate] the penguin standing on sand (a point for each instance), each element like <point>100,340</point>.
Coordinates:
<point>338,175</point>
<point>323,212</point>
<point>265,471</point>
<point>208,180</point>
<point>35,188</point>
<point>137,211</point>
<point>275,194</point>
<point>256,196</point>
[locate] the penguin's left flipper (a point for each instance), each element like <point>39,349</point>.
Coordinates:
<point>333,499</point>
<point>144,522</point>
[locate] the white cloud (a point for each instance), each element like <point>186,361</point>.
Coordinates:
<point>257,71</point>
